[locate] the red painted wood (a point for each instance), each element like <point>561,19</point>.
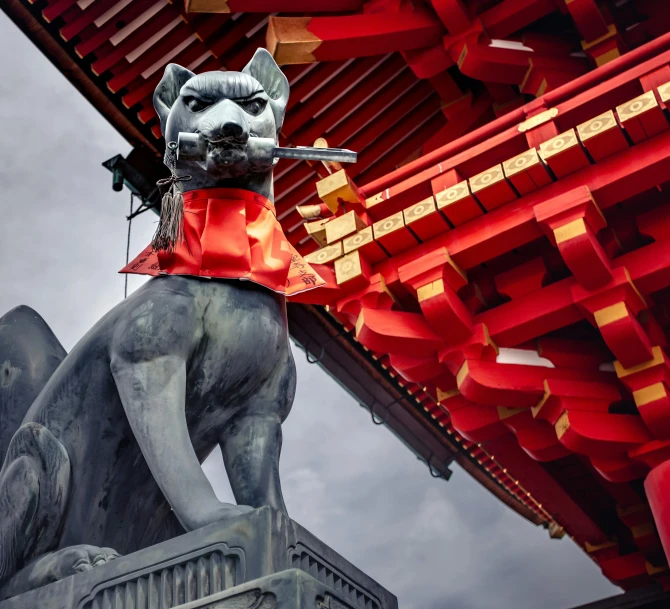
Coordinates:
<point>292,6</point>
<point>633,171</point>
<point>144,92</point>
<point>454,14</point>
<point>546,490</point>
<point>588,18</point>
<point>513,15</point>
<point>373,34</point>
<point>235,34</point>
<point>97,9</point>
<point>404,86</point>
<point>303,112</point>
<point>208,27</point>
<point>56,9</point>
<point>379,135</point>
<point>127,15</point>
<point>624,67</point>
<point>406,147</point>
<point>317,77</point>
<point>405,332</point>
<point>240,55</point>
<point>372,88</point>
<point>134,40</point>
<point>657,486</point>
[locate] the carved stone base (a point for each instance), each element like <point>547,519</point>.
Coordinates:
<point>292,589</point>
<point>261,554</point>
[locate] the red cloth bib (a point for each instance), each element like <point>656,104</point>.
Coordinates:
<point>234,234</point>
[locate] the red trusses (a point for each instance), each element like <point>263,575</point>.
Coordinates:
<point>391,107</point>
<point>567,264</point>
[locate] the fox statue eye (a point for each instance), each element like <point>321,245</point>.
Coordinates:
<point>253,106</point>
<point>194,104</point>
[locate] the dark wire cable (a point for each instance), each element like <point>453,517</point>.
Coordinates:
<point>130,223</point>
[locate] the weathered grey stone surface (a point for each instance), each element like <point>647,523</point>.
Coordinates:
<point>215,562</point>
<point>106,441</point>
<point>292,589</point>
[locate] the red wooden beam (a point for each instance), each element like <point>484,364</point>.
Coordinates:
<point>271,6</point>
<point>625,67</point>
<point>461,123</point>
<point>294,178</point>
<point>56,9</point>
<point>404,149</point>
<point>589,20</point>
<point>402,86</point>
<point>611,181</point>
<point>309,39</point>
<point>88,44</point>
<point>377,138</point>
<point>409,332</point>
<point>302,113</point>
<point>508,66</point>
<point>317,78</point>
<point>454,14</point>
<point>88,16</point>
<point>552,307</point>
<point>141,90</point>
<point>544,487</point>
<point>513,15</point>
<point>235,33</point>
<point>176,37</point>
<point>295,197</point>
<point>210,26</point>
<point>105,61</point>
<point>376,83</point>
<point>601,434</point>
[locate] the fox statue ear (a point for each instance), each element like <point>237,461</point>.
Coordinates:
<point>265,70</point>
<point>167,91</point>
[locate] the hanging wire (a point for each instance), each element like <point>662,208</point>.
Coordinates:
<point>316,360</point>
<point>130,223</point>
<point>376,419</point>
<point>431,468</point>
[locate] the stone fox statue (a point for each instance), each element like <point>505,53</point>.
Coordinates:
<point>102,447</point>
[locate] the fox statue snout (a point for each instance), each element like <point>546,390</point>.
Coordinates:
<point>227,110</point>
<point>225,131</point>
<point>229,125</point>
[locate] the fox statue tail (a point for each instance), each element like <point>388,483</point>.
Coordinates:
<point>29,355</point>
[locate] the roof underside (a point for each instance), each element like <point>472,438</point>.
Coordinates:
<point>376,105</point>
<point>114,52</point>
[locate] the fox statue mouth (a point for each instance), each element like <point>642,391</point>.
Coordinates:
<point>226,153</point>
<point>226,156</point>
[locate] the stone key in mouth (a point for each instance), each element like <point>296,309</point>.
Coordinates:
<point>193,147</point>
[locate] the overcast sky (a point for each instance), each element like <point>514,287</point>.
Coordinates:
<point>436,545</point>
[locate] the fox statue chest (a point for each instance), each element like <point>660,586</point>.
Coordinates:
<point>220,323</point>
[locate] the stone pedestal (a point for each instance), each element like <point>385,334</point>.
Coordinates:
<point>260,560</point>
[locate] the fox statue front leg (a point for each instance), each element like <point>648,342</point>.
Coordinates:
<point>150,375</point>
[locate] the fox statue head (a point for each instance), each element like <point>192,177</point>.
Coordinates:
<point>226,109</point>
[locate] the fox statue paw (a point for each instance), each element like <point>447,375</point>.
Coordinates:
<point>55,566</point>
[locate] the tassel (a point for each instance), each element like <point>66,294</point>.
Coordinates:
<point>170,230</point>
